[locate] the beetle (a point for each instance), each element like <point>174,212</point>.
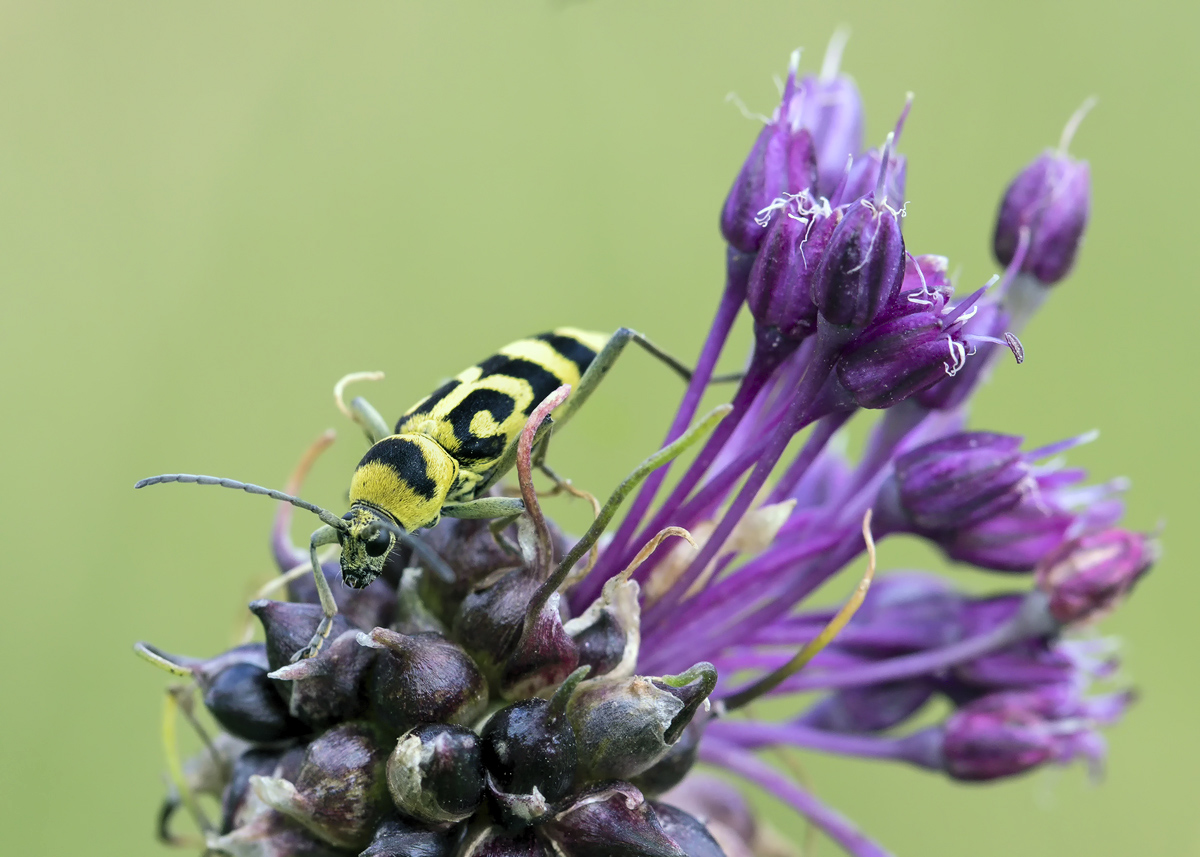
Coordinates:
<point>446,451</point>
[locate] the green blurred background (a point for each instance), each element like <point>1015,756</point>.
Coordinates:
<point>210,212</point>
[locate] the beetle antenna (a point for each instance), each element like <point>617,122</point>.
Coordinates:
<point>324,514</point>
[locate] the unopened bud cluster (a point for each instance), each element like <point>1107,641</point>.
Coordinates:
<point>452,729</point>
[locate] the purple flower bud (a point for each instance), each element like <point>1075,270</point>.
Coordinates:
<point>1015,540</point>
<point>893,359</point>
<point>670,770</point>
<point>1005,734</point>
<point>340,793</point>
<point>607,634</point>
<point>873,708</point>
<point>1089,576</point>
<point>272,834</point>
<point>471,551</point>
<point>624,726</point>
<point>688,832</point>
<point>780,288</point>
<point>612,821</point>
<point>238,692</point>
<point>497,842</point>
<point>831,109</point>
<point>882,172</point>
<point>864,174</point>
<point>927,273</point>
<point>398,837</point>
<point>961,480</point>
<point>491,617</point>
<point>862,266</point>
<point>782,161</point>
<point>981,333</point>
<point>289,626</point>
<point>435,774</point>
<point>423,678</point>
<point>1052,197</point>
<point>528,746</point>
<point>322,690</point>
<point>543,657</point>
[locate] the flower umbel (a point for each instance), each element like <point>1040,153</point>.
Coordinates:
<point>509,690</point>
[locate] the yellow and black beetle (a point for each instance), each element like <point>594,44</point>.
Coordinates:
<point>446,451</point>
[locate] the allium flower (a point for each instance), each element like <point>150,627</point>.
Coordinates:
<point>511,690</point>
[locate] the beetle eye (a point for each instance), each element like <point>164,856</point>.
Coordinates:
<point>378,544</point>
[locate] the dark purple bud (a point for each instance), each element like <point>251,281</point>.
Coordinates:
<point>435,774</point>
<point>341,792</point>
<point>687,832</point>
<point>398,837</point>
<point>235,810</point>
<point>423,678</point>
<point>1005,734</point>
<point>363,608</point>
<point>471,551</point>
<point>530,746</point>
<point>238,692</point>
<point>625,726</point>
<point>961,480</point>
<point>607,634</point>
<point>1088,577</point>
<point>782,161</point>
<point>670,770</point>
<point>491,617</point>
<point>272,834</point>
<point>288,627</point>
<point>322,690</point>
<point>1052,198</point>
<point>543,657</point>
<point>863,265</point>
<point>780,287</point>
<point>873,708</point>
<point>497,842</point>
<point>610,821</point>
<point>330,687</point>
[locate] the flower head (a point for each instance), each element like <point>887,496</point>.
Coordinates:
<point>508,689</point>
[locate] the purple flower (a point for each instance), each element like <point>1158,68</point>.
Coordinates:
<point>830,108</point>
<point>960,480</point>
<point>919,343</point>
<point>1087,577</point>
<point>782,161</point>
<point>780,290</point>
<point>1010,733</point>
<point>511,690</point>
<point>1052,198</point>
<point>863,264</point>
